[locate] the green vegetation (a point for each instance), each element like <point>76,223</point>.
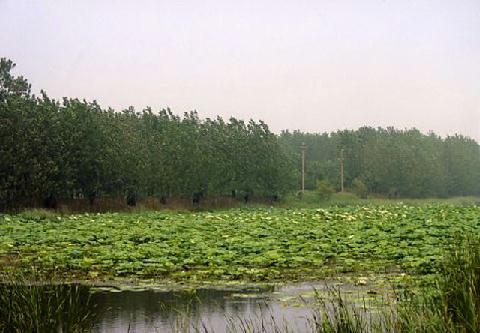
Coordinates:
<point>241,245</point>
<point>359,188</point>
<point>311,199</point>
<point>30,303</point>
<point>324,190</point>
<point>453,305</point>
<point>57,153</point>
<point>63,150</point>
<point>393,163</point>
<point>450,304</point>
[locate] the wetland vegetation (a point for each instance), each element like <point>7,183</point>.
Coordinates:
<point>126,200</point>
<point>415,252</point>
<point>261,244</point>
<point>447,302</point>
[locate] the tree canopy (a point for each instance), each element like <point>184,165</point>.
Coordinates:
<point>392,162</point>
<point>70,148</point>
<point>73,148</point>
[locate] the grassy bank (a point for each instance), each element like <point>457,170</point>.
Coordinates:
<point>312,199</point>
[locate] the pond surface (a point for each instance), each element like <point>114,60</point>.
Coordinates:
<point>216,309</point>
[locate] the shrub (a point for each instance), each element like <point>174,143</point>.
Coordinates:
<point>359,188</point>
<point>324,190</point>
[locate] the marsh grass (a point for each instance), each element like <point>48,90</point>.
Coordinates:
<point>31,303</point>
<point>454,306</point>
<point>335,314</point>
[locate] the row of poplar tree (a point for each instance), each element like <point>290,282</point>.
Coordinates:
<point>51,150</point>
<point>391,162</point>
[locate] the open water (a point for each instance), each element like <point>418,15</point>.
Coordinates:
<point>213,309</point>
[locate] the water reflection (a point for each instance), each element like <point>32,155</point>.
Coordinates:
<point>244,309</point>
<point>203,310</point>
<point>254,309</point>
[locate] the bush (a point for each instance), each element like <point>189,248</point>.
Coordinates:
<point>324,190</point>
<point>359,188</point>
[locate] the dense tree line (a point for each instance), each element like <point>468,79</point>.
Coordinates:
<point>52,150</point>
<point>391,162</point>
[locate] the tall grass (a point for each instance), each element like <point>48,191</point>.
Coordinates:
<point>455,306</point>
<point>336,315</point>
<point>30,303</point>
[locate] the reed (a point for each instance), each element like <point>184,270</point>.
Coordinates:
<point>31,303</point>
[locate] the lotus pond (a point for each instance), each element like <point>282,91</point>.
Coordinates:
<point>243,245</point>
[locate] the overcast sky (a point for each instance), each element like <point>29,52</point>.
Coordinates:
<point>313,65</point>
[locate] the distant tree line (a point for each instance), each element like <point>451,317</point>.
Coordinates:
<point>52,150</point>
<point>391,162</point>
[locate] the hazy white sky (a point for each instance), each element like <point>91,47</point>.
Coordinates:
<point>314,65</point>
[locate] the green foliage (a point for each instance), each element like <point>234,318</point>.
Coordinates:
<point>454,304</point>
<point>248,245</point>
<point>460,286</point>
<point>30,303</point>
<point>311,199</point>
<point>334,314</point>
<point>37,214</point>
<point>450,304</point>
<point>324,190</point>
<point>53,150</point>
<point>359,188</point>
<point>391,162</point>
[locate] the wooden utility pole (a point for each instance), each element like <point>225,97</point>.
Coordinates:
<point>303,147</point>
<point>341,170</point>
